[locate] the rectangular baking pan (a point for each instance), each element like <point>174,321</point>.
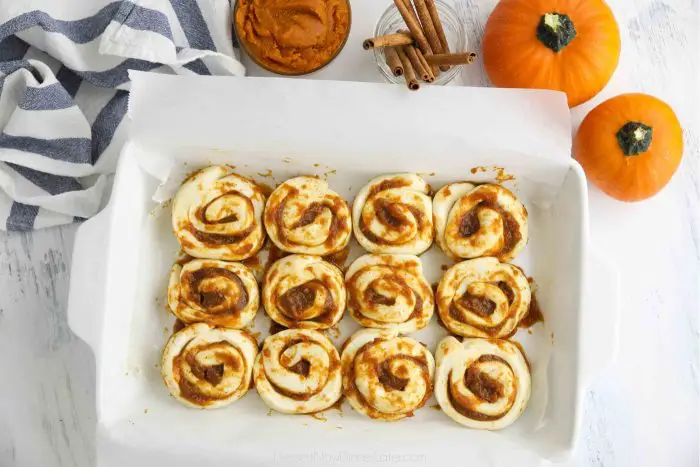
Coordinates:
<point>122,257</point>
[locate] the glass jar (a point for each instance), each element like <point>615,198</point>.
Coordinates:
<point>391,21</point>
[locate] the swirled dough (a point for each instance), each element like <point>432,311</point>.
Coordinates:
<point>304,291</point>
<point>303,215</point>
<point>474,221</point>
<point>217,292</point>
<point>217,214</point>
<point>393,214</point>
<point>481,383</point>
<point>385,376</point>
<point>298,371</point>
<point>389,291</point>
<point>207,367</point>
<point>483,298</point>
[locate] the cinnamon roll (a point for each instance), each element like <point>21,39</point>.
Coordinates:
<point>473,221</point>
<point>393,214</point>
<point>483,298</point>
<point>304,216</point>
<point>386,377</point>
<point>389,291</point>
<point>298,371</point>
<point>303,291</point>
<point>212,291</point>
<point>217,214</point>
<point>481,383</point>
<point>207,367</point>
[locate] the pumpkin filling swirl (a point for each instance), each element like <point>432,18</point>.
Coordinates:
<point>483,298</point>
<point>298,371</point>
<point>482,383</point>
<point>389,292</point>
<point>217,214</point>
<point>208,367</point>
<point>303,215</point>
<point>386,376</point>
<point>217,292</point>
<point>303,291</point>
<point>393,214</point>
<point>473,221</point>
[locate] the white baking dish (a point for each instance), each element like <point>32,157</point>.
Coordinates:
<point>117,306</point>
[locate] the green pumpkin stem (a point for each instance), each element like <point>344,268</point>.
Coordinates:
<point>555,31</point>
<point>634,138</point>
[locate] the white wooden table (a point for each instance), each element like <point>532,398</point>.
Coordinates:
<point>642,412</point>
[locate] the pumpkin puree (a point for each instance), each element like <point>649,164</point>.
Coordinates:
<point>292,36</point>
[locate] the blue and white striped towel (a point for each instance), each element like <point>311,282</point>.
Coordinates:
<point>64,87</point>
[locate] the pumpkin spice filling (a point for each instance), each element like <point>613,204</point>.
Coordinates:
<point>309,301</point>
<point>292,37</point>
<point>218,290</point>
<point>484,389</point>
<point>470,223</point>
<point>213,374</point>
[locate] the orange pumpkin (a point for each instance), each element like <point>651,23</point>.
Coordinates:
<point>630,146</point>
<point>565,45</point>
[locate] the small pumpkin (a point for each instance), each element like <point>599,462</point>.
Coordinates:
<point>565,45</point>
<point>630,146</point>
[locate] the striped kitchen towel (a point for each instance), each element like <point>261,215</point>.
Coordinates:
<point>64,88</point>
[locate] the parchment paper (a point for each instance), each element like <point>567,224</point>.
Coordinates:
<point>272,129</point>
<point>328,122</point>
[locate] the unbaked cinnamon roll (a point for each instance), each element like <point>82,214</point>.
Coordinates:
<point>393,214</point>
<point>217,292</point>
<point>217,214</point>
<point>483,298</point>
<point>207,367</point>
<point>304,291</point>
<point>481,383</point>
<point>304,216</point>
<point>298,371</point>
<point>389,291</point>
<point>386,377</point>
<point>473,221</point>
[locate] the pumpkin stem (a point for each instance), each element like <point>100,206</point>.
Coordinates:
<point>634,138</point>
<point>555,31</point>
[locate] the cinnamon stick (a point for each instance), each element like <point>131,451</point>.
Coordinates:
<point>451,59</point>
<point>409,74</point>
<point>389,40</point>
<point>422,70</point>
<point>413,25</point>
<point>432,9</point>
<point>428,27</point>
<point>421,58</point>
<point>434,69</point>
<point>411,10</point>
<point>392,59</point>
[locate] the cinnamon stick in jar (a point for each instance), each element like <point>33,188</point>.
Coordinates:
<point>413,24</point>
<point>393,61</point>
<point>434,69</point>
<point>434,15</point>
<point>451,59</point>
<point>388,40</point>
<point>409,73</point>
<point>411,11</point>
<point>428,26</point>
<point>422,70</point>
<point>423,61</point>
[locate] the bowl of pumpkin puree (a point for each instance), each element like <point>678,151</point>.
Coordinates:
<point>292,37</point>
